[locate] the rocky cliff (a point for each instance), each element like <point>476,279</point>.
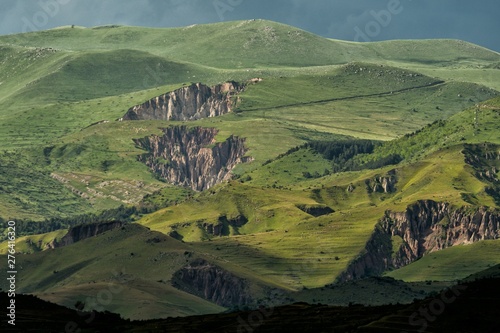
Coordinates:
<point>223,226</point>
<point>382,184</point>
<point>315,210</point>
<point>191,157</point>
<point>84,231</point>
<point>212,283</point>
<point>426,226</point>
<point>193,102</point>
<point>485,160</point>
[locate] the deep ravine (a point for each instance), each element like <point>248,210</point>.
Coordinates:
<point>424,227</point>
<point>191,157</point>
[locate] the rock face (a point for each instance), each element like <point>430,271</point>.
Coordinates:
<point>212,283</point>
<point>217,229</point>
<point>194,102</point>
<point>315,210</point>
<point>235,222</point>
<point>84,231</point>
<point>191,157</point>
<point>485,160</point>
<point>224,225</point>
<point>427,226</point>
<point>382,184</point>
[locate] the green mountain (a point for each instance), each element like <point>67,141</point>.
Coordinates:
<point>241,164</point>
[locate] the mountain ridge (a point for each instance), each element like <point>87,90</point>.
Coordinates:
<point>269,33</point>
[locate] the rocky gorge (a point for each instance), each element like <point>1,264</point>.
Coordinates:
<point>400,238</point>
<point>192,157</point>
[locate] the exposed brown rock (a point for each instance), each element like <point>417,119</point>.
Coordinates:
<point>484,159</point>
<point>315,210</point>
<point>191,157</point>
<point>193,102</point>
<point>382,184</point>
<point>212,283</point>
<point>217,229</point>
<point>84,231</point>
<point>424,227</point>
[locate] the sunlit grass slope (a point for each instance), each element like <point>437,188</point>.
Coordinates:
<point>451,264</point>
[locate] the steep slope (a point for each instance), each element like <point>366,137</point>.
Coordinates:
<point>58,93</point>
<point>266,234</point>
<point>189,103</point>
<point>184,157</point>
<point>90,75</point>
<point>213,283</point>
<point>114,264</point>
<point>182,280</point>
<point>443,182</point>
<point>402,238</point>
<point>444,266</point>
<point>81,232</point>
<point>474,125</point>
<point>107,148</point>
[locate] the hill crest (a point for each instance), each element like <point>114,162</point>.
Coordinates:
<point>250,43</point>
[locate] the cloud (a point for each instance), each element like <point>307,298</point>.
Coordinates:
<point>457,19</point>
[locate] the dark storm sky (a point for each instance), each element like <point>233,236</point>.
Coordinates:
<point>362,20</point>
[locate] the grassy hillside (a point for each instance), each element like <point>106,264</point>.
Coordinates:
<point>324,107</point>
<point>92,75</point>
<point>282,241</point>
<point>32,244</point>
<point>474,125</point>
<point>294,218</point>
<point>252,43</point>
<point>114,262</point>
<point>451,264</point>
<point>29,192</point>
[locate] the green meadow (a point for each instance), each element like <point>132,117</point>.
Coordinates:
<point>64,155</point>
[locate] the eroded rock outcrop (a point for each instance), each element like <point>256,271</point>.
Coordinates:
<point>382,184</point>
<point>212,283</point>
<point>193,102</point>
<point>426,226</point>
<point>84,231</point>
<point>315,210</point>
<point>235,222</point>
<point>214,229</point>
<point>191,156</point>
<point>485,159</point>
<point>224,225</point>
